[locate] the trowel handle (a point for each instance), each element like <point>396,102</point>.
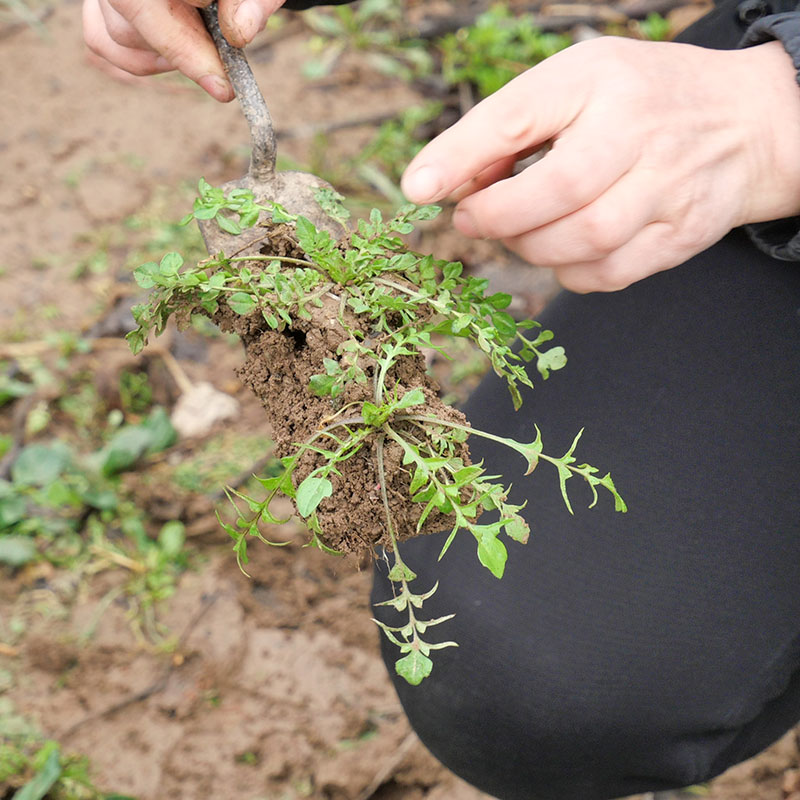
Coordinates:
<point>262,134</point>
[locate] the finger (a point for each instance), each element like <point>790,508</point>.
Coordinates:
<point>496,172</point>
<point>119,29</point>
<point>241,20</point>
<point>650,251</point>
<point>528,111</point>
<point>596,230</point>
<point>176,31</point>
<point>113,71</point>
<point>136,62</point>
<point>580,166</point>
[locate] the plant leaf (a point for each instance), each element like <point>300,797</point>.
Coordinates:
<point>241,303</point>
<point>17,550</point>
<point>39,464</point>
<point>43,781</point>
<point>552,359</point>
<point>414,667</point>
<point>310,493</point>
<point>492,554</point>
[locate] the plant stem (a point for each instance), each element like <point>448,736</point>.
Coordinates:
<point>392,538</point>
<point>285,259</point>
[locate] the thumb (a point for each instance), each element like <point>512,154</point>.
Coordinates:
<point>241,20</point>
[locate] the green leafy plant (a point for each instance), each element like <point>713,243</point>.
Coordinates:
<point>374,27</point>
<point>397,141</point>
<point>496,48</point>
<point>655,28</point>
<point>70,509</point>
<point>389,302</point>
<point>39,769</point>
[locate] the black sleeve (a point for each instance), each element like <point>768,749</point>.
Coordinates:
<point>779,238</point>
<point>301,5</point>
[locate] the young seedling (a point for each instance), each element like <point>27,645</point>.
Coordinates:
<point>334,334</point>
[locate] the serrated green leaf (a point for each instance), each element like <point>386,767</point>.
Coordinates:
<point>414,667</point>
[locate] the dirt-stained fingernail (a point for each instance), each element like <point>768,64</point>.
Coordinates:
<point>219,88</point>
<point>422,185</point>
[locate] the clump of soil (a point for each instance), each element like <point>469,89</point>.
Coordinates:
<point>278,367</point>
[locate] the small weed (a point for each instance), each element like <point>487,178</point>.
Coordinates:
<point>391,302</point>
<point>496,48</point>
<point>395,144</point>
<point>135,391</point>
<point>374,27</point>
<point>38,768</point>
<point>655,28</point>
<point>69,508</point>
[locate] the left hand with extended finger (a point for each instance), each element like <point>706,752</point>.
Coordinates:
<point>657,151</point>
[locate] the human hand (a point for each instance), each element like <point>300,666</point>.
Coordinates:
<point>658,150</point>
<point>145,37</point>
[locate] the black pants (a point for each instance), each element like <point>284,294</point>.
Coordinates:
<point>625,653</point>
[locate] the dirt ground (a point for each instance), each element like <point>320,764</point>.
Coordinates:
<point>272,686</point>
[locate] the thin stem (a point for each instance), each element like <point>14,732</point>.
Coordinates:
<point>286,259</point>
<point>392,538</point>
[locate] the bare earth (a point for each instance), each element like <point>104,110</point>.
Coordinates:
<point>273,687</point>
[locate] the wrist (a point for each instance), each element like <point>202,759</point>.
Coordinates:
<point>770,96</point>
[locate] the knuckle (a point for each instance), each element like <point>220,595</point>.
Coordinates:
<point>602,232</point>
<point>569,190</point>
<point>515,131</point>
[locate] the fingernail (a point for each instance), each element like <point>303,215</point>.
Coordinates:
<point>249,19</point>
<point>219,88</point>
<point>464,223</point>
<point>423,185</point>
